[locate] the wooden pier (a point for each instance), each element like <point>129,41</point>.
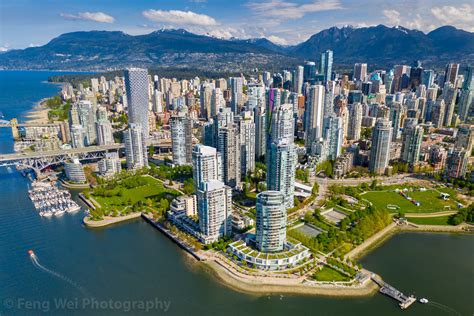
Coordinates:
<point>403,301</point>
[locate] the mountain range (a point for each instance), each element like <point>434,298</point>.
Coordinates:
<point>377,45</point>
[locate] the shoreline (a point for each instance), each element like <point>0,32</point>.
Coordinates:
<point>109,220</point>
<point>227,278</point>
<point>388,232</point>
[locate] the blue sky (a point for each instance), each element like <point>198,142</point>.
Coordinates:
<point>26,23</point>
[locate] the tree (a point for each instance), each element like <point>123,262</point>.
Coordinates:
<point>165,204</point>
<point>151,151</point>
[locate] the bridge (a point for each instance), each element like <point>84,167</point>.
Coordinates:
<point>403,301</point>
<point>41,160</point>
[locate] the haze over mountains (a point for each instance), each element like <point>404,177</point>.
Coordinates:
<point>378,45</point>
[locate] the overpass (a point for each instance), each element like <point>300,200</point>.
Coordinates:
<point>39,161</point>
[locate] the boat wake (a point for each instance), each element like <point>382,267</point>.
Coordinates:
<point>36,263</point>
<point>444,308</point>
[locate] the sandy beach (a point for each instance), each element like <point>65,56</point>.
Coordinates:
<point>39,113</point>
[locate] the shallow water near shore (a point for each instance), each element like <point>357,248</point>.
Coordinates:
<point>135,262</point>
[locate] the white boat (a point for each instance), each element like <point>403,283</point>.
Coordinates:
<point>48,213</point>
<point>423,300</point>
<point>74,208</point>
<point>59,212</point>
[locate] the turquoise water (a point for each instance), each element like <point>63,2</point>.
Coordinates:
<point>134,262</point>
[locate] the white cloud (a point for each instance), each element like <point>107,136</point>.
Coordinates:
<point>461,16</point>
<point>179,18</point>
<point>393,16</point>
<point>281,10</point>
<point>89,16</point>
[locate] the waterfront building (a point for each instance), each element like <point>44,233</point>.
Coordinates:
<point>214,200</point>
<point>74,171</point>
<point>135,148</point>
<point>136,87</point>
<point>184,205</point>
<point>281,170</point>
<point>207,165</point>
<point>380,151</point>
<point>181,137</point>
<point>270,233</point>
<point>110,165</point>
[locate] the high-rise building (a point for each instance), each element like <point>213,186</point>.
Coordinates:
<point>260,131</point>
<point>136,87</point>
<point>396,112</point>
<point>270,233</point>
<point>325,65</point>
<point>255,95</point>
<point>217,101</point>
<point>465,137</point>
<point>247,143</point>
<point>451,73</point>
<point>205,100</point>
<point>105,134</point>
<point>449,95</point>
<point>355,122</point>
<point>281,170</point>
<point>135,148</point>
<point>334,133</point>
<point>78,136</point>
<point>181,137</point>
<point>207,165</point>
<point>283,124</point>
<point>437,113</point>
<point>360,72</point>
<point>309,72</point>
<point>314,115</point>
<point>380,151</point>
<point>298,78</point>
<point>427,78</point>
<point>456,164</point>
<point>412,137</point>
<point>466,99</point>
<point>228,144</point>
<point>83,113</point>
<point>214,210</point>
<point>236,90</point>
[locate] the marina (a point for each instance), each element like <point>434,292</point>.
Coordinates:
<point>49,200</point>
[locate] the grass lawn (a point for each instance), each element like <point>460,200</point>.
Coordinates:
<point>328,274</point>
<point>430,201</point>
<point>440,220</point>
<point>154,190</point>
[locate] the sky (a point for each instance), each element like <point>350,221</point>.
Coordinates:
<point>26,23</point>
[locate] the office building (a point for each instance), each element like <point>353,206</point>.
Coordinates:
<point>325,65</point>
<point>360,72</point>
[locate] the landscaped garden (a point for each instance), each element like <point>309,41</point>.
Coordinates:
<point>135,193</point>
<point>439,220</point>
<point>327,274</point>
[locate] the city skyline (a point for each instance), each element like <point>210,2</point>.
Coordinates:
<point>283,22</point>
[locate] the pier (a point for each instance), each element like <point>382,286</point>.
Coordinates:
<point>403,301</point>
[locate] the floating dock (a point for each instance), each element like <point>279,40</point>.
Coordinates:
<point>403,301</point>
